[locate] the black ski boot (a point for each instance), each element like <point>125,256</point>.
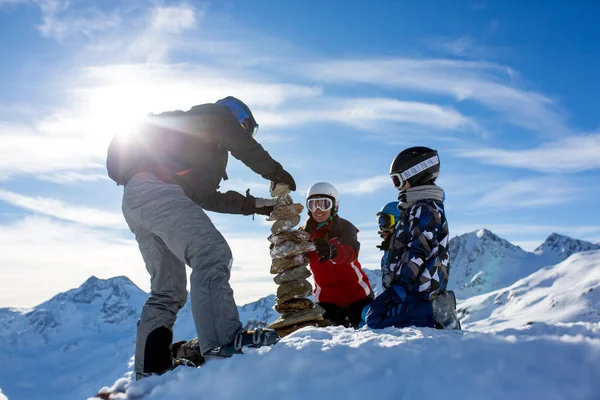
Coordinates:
<point>254,338</point>
<point>444,311</point>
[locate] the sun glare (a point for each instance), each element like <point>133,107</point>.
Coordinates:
<point>115,109</point>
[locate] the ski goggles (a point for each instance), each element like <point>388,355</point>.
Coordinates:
<point>322,203</point>
<point>241,114</point>
<point>386,221</point>
<point>400,178</point>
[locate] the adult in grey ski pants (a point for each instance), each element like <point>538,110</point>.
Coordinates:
<point>172,231</point>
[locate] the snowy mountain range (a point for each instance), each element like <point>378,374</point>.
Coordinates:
<point>562,247</point>
<point>568,292</point>
<point>83,339</point>
<point>482,262</point>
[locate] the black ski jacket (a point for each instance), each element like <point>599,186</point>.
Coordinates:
<point>190,149</point>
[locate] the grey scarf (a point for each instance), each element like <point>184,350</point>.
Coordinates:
<point>409,196</point>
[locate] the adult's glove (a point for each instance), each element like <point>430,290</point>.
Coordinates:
<point>258,205</point>
<point>325,250</point>
<point>283,177</point>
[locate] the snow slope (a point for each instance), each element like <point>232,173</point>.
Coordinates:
<point>410,363</point>
<point>2,396</point>
<point>566,292</point>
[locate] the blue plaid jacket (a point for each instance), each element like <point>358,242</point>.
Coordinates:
<point>418,258</point>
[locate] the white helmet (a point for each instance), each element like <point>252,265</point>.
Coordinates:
<point>325,189</point>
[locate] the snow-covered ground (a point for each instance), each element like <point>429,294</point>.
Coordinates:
<point>538,337</point>
<point>2,396</point>
<point>330,363</point>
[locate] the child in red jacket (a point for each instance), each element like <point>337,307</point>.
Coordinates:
<point>341,286</point>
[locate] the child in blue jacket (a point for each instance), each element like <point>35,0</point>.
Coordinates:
<point>415,274</point>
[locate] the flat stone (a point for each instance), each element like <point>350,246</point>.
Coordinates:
<point>290,249</point>
<point>293,305</point>
<point>293,235</point>
<point>291,329</point>
<point>298,317</point>
<point>285,225</point>
<point>285,330</point>
<point>293,290</point>
<point>286,212</point>
<point>281,264</point>
<point>293,274</point>
<point>284,200</point>
<point>279,189</point>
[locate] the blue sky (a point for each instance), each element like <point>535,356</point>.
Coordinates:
<point>506,93</point>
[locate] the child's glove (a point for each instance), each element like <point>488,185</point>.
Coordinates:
<point>325,250</point>
<point>385,244</point>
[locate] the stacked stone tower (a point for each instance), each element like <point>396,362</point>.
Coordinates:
<point>288,252</point>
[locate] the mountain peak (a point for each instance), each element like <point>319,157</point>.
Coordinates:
<point>481,261</point>
<point>110,301</point>
<point>483,237</point>
<point>564,246</point>
<point>96,282</point>
<point>484,232</point>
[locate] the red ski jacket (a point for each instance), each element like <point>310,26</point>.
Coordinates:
<point>341,280</point>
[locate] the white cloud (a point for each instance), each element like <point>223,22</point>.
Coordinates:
<point>364,186</point>
<point>368,113</point>
<point>23,150</point>
<point>105,100</point>
<point>526,193</point>
<point>72,177</point>
<point>462,46</point>
<point>571,154</point>
<point>485,83</point>
<point>60,21</point>
<point>58,209</point>
<point>370,255</point>
<point>162,31</point>
<point>173,19</point>
<point>41,257</point>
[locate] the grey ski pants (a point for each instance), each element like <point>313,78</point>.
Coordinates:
<point>172,231</point>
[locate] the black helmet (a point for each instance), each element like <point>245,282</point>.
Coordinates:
<point>241,112</point>
<point>415,165</point>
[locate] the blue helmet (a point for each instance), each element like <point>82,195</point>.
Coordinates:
<point>241,112</point>
<point>389,215</point>
<point>391,208</point>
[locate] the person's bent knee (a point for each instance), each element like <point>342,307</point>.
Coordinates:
<point>215,250</point>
